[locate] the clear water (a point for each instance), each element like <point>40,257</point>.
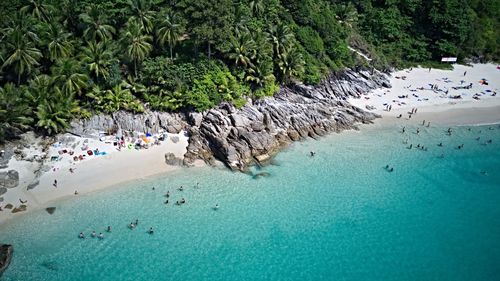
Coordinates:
<point>336,216</point>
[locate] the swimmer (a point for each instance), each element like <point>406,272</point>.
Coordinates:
<point>76,192</point>
<point>418,131</point>
<point>216,207</point>
<point>411,145</point>
<point>101,236</point>
<point>440,144</point>
<point>312,153</point>
<point>81,236</point>
<point>108,229</point>
<point>386,167</point>
<point>478,138</point>
<point>404,129</point>
<point>151,231</point>
<point>166,201</point>
<point>131,225</point>
<point>153,188</point>
<point>167,194</point>
<point>183,200</point>
<point>484,173</point>
<point>136,222</point>
<point>181,188</point>
<point>391,169</point>
<point>93,234</point>
<point>489,141</point>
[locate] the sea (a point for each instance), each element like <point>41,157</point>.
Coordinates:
<point>342,214</point>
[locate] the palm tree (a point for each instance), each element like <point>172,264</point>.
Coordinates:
<point>38,9</point>
<point>69,75</point>
<point>14,112</point>
<point>137,43</point>
<point>95,22</point>
<point>257,7</point>
<point>242,49</point>
<point>141,10</point>
<point>55,113</point>
<point>98,59</point>
<point>169,31</point>
<point>22,54</point>
<point>58,42</point>
<point>281,37</point>
<point>260,74</point>
<point>291,64</point>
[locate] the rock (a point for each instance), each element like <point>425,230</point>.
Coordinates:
<point>261,175</point>
<point>9,206</point>
<point>3,190</point>
<point>240,137</point>
<point>175,139</point>
<point>50,210</point>
<point>33,184</point>
<point>21,208</point>
<point>172,160</point>
<point>6,252</point>
<point>9,179</point>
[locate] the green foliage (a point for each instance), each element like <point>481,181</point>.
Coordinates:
<point>14,112</point>
<point>214,88</point>
<point>61,53</point>
<point>115,99</point>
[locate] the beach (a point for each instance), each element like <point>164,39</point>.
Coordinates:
<point>426,91</point>
<point>431,92</point>
<point>110,168</point>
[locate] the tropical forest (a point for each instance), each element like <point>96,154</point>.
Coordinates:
<point>69,59</point>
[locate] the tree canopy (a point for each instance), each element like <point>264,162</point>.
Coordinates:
<point>64,59</point>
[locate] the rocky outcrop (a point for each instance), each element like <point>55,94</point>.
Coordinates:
<point>172,160</point>
<point>150,121</point>
<point>6,252</point>
<point>9,179</point>
<point>254,133</point>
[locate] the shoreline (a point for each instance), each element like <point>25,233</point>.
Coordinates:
<point>115,168</point>
<point>90,175</point>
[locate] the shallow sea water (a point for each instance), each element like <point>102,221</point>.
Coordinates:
<point>336,216</point>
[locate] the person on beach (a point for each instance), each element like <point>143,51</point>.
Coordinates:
<point>55,183</point>
<point>418,131</point>
<point>423,123</point>
<point>428,124</point>
<point>404,128</point>
<point>76,192</point>
<point>429,69</point>
<point>71,170</point>
<point>465,73</point>
<point>399,116</point>
<point>313,153</point>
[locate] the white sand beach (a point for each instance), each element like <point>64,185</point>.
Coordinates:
<point>88,175</point>
<point>479,102</point>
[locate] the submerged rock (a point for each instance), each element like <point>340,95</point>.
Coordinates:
<point>261,175</point>
<point>172,160</point>
<point>50,210</point>
<point>6,252</point>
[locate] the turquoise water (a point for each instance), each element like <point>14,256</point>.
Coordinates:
<point>336,216</point>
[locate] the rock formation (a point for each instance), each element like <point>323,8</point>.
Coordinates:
<point>254,133</point>
<point>5,257</point>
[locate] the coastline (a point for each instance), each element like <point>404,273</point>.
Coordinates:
<point>90,175</point>
<point>128,165</point>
